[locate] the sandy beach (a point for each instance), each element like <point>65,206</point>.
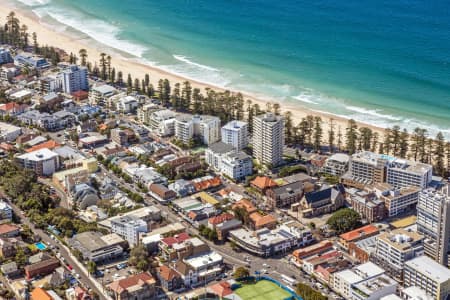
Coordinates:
<point>54,37</point>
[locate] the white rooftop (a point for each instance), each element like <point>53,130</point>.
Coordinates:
<point>349,276</point>
<point>416,293</point>
<point>39,155</point>
<point>210,258</point>
<point>429,268</point>
<point>104,89</point>
<point>369,269</point>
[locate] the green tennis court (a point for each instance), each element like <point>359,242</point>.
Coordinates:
<point>262,290</point>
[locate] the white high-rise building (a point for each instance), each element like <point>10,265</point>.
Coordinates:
<point>268,138</point>
<point>433,222</point>
<point>206,128</point>
<point>235,133</point>
<point>72,79</point>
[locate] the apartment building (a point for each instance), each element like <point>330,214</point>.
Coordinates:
<point>100,93</point>
<point>224,158</point>
<point>129,228</point>
<point>235,133</point>
<point>364,282</point>
<point>43,162</point>
<point>397,200</point>
<point>433,221</point>
<point>336,164</point>
<point>162,122</point>
<point>268,138</point>
<point>205,128</point>
<point>5,56</point>
<point>430,276</point>
<point>394,248</point>
<point>73,79</point>
<point>371,168</point>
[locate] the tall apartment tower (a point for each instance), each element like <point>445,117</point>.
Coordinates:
<point>235,133</point>
<point>268,138</point>
<point>433,221</point>
<point>74,78</point>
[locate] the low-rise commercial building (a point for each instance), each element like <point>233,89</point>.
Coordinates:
<point>432,277</point>
<point>43,162</point>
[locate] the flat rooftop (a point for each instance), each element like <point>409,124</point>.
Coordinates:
<point>429,268</point>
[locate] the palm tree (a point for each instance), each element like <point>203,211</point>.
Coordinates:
<point>103,65</point>
<point>83,55</point>
<point>24,35</point>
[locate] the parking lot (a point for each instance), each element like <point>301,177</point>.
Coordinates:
<point>115,272</point>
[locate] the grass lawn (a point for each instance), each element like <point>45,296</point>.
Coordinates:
<point>262,290</point>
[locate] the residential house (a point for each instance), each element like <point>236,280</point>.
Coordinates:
<point>136,287</point>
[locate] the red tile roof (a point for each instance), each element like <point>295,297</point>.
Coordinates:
<point>261,221</point>
<point>263,182</point>
<point>357,233</point>
<point>220,218</point>
<point>221,289</point>
<point>6,228</point>
<point>246,204</point>
<point>140,279</point>
<point>51,144</point>
<point>167,273</point>
<point>207,184</point>
<point>179,238</point>
<point>40,294</point>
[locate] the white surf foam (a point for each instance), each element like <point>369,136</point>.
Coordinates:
<point>372,112</point>
<point>99,30</point>
<point>34,2</point>
<point>186,60</point>
<point>307,98</point>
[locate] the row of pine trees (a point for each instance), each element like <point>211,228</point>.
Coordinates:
<point>310,132</point>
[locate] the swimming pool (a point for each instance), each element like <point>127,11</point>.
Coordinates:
<point>40,246</point>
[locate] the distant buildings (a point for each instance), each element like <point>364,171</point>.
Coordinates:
<point>205,128</point>
<point>433,221</point>
<point>432,277</point>
<point>235,133</point>
<point>268,138</point>
<point>5,56</point>
<point>9,132</point>
<point>25,59</point>
<point>43,162</point>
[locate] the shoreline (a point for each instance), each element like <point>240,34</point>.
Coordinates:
<point>71,43</point>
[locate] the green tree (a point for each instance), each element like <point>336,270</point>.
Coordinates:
<point>83,55</point>
<point>439,154</point>
<point>344,220</point>
<point>139,257</point>
<point>308,293</point>
<point>351,136</point>
<point>241,272</point>
<point>91,267</point>
<point>318,133</point>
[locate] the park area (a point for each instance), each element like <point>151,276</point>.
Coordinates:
<point>262,290</point>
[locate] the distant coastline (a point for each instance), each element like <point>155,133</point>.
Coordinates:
<point>53,33</point>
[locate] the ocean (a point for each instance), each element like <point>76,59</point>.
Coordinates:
<point>383,62</point>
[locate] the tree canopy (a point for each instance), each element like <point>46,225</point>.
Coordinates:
<point>344,220</point>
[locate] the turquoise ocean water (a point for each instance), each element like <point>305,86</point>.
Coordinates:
<point>382,62</point>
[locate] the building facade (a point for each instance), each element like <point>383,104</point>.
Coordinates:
<point>433,221</point>
<point>235,133</point>
<point>268,138</point>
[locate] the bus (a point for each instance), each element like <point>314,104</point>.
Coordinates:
<point>288,280</point>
